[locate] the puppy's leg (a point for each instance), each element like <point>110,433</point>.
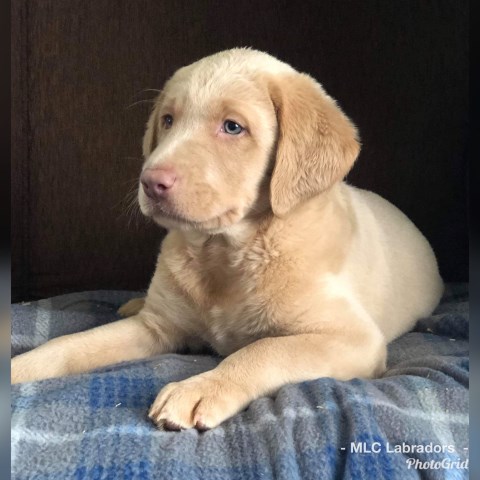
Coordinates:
<point>130,339</point>
<point>132,307</point>
<point>206,400</point>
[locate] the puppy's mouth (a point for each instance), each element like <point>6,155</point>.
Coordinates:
<point>167,217</point>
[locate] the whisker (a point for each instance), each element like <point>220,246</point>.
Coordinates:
<point>132,208</point>
<point>139,102</point>
<point>147,90</point>
<point>131,181</point>
<point>131,193</point>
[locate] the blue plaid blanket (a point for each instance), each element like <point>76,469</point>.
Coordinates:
<point>411,423</point>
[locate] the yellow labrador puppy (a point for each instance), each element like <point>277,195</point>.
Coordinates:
<point>270,259</point>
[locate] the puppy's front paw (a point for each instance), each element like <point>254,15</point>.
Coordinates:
<point>18,371</point>
<point>46,361</point>
<point>203,402</point>
<point>23,370</point>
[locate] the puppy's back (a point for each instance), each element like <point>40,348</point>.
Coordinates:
<point>391,264</point>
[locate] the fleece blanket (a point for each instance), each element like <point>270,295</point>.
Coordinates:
<point>411,423</point>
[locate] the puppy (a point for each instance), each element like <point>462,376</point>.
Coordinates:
<point>271,259</point>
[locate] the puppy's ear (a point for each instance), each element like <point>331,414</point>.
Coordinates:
<point>317,143</point>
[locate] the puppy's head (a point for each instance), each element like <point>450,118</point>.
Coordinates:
<point>236,134</point>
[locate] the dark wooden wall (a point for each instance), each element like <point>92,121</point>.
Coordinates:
<point>398,68</point>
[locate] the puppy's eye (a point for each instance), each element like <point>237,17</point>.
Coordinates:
<point>232,128</point>
<point>167,121</point>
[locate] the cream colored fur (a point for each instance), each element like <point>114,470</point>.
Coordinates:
<point>270,259</point>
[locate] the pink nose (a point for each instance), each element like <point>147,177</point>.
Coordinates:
<point>157,182</point>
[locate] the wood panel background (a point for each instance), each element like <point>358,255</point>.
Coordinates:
<point>399,70</point>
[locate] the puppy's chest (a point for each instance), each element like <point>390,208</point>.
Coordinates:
<point>224,291</point>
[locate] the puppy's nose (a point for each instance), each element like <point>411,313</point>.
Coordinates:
<point>157,182</point>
